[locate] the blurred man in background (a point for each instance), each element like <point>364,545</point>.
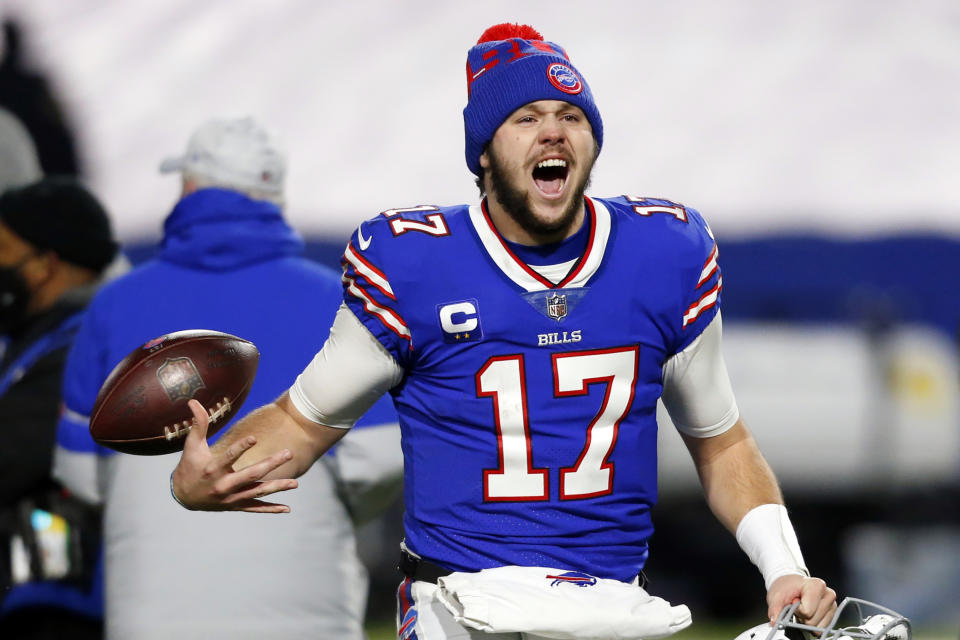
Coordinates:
<point>226,260</point>
<point>28,93</point>
<point>55,242</point>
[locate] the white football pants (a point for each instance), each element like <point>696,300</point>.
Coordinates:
<point>421,616</point>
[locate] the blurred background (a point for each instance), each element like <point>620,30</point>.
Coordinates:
<point>820,139</point>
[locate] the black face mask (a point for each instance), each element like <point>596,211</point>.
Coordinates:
<point>14,297</point>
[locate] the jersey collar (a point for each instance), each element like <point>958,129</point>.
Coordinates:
<point>525,277</point>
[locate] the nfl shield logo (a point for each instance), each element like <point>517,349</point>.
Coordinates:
<point>179,378</point>
<point>557,306</point>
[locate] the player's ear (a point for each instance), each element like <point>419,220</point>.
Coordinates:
<point>484,158</point>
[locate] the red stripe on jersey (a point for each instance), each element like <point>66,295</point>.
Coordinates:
<point>523,265</point>
<point>706,301</point>
<point>387,316</point>
<point>360,264</point>
<point>709,267</point>
<point>586,252</point>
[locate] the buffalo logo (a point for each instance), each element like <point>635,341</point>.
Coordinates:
<point>564,78</point>
<point>179,378</point>
<point>557,306</point>
<point>573,577</point>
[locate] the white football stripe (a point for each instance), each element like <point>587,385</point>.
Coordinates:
<point>710,267</point>
<point>598,246</point>
<point>501,257</point>
<point>705,302</point>
<point>374,277</point>
<point>515,271</point>
<point>386,316</point>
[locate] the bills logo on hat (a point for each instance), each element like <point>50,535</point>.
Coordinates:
<point>564,78</point>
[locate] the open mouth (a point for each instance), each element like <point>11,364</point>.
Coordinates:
<point>550,176</point>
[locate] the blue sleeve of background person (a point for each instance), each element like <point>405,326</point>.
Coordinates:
<point>86,369</point>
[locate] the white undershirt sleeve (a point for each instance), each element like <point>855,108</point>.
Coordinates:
<point>696,388</point>
<point>347,375</point>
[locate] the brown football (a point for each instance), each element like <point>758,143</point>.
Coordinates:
<point>142,406</point>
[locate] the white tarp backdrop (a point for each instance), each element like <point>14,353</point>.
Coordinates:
<point>827,116</point>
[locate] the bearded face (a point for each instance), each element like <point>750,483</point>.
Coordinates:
<point>537,168</point>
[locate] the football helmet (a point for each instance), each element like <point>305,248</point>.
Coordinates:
<point>861,620</point>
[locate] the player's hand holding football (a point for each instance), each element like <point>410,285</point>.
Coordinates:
<point>818,602</point>
<point>205,478</point>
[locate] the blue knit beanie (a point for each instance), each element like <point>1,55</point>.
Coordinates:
<point>510,66</point>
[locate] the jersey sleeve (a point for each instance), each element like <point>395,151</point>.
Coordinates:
<point>696,388</point>
<point>367,289</point>
<point>346,377</point>
<point>701,281</point>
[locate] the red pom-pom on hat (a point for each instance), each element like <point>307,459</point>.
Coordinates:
<point>507,30</point>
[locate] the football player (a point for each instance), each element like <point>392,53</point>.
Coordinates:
<point>525,341</point>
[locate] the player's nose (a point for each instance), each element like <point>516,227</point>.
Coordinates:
<point>551,130</point>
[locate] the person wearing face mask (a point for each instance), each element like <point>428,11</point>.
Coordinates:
<point>55,242</point>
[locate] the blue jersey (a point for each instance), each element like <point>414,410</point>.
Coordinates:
<point>528,408</point>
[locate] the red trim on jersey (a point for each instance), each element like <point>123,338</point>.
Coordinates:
<point>372,308</point>
<point>704,303</point>
<point>501,468</point>
<point>603,407</point>
<point>436,227</point>
<point>523,265</point>
<point>586,251</point>
<point>705,274</point>
<point>366,263</point>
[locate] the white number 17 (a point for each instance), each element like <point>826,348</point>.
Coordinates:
<point>503,379</point>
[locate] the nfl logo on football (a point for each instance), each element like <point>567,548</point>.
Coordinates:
<point>179,378</point>
<point>557,306</point>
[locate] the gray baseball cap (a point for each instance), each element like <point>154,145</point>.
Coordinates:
<point>233,152</point>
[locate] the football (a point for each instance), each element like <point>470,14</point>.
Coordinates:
<point>142,406</point>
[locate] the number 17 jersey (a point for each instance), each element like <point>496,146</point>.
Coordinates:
<point>527,406</point>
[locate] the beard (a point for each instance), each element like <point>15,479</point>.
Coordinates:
<point>517,202</point>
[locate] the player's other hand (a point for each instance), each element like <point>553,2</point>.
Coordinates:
<point>205,480</point>
<point>818,602</point>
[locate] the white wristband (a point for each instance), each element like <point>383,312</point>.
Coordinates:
<point>767,537</point>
